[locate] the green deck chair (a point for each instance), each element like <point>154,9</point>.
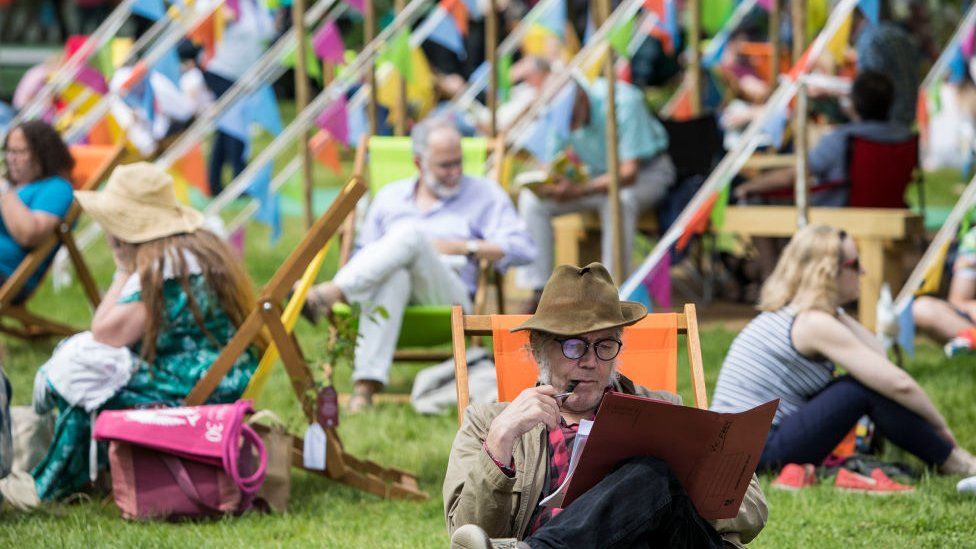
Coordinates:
<point>391,159</point>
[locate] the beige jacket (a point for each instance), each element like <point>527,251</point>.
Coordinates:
<point>476,491</point>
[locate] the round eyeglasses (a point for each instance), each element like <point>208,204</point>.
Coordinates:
<point>575,348</point>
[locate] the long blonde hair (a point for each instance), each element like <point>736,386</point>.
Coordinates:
<point>806,274</point>
<point>221,270</point>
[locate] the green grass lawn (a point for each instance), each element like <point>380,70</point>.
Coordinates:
<point>326,513</point>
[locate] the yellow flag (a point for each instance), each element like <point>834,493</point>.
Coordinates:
<point>73,91</point>
<point>121,47</point>
<point>420,89</point>
<point>595,69</point>
<point>933,275</point>
<point>817,11</point>
<point>837,45</point>
<point>540,41</point>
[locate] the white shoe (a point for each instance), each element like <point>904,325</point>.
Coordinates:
<point>967,486</point>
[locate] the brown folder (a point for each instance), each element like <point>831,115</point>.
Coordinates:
<point>713,455</point>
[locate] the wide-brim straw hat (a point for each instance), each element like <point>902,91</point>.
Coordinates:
<point>139,204</point>
<point>580,300</point>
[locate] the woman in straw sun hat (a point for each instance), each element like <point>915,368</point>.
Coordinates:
<point>177,298</point>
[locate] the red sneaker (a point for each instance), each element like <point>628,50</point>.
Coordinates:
<point>795,476</point>
<point>877,484</point>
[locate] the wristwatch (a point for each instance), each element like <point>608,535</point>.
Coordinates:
<point>472,248</point>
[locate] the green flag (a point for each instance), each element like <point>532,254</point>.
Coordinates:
<point>504,77</point>
<point>620,36</point>
<point>312,66</point>
<point>714,14</point>
<point>102,60</point>
<point>398,53</point>
<point>718,210</point>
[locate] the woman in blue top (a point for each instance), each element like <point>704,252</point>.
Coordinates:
<point>35,194</point>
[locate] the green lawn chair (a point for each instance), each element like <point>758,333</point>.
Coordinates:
<point>424,326</point>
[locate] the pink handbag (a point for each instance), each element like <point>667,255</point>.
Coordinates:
<point>182,462</point>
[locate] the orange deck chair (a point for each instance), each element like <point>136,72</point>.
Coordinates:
<point>649,356</point>
<point>92,165</point>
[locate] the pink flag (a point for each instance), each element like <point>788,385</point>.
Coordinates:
<point>236,241</point>
<point>357,5</point>
<point>658,282</point>
<point>335,120</point>
<point>766,4</point>
<point>327,43</point>
<point>968,43</point>
<point>91,78</point>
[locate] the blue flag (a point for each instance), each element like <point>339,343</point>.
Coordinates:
<point>447,34</point>
<point>906,329</point>
<point>554,18</point>
<point>264,110</point>
<point>169,66</point>
<point>871,9</point>
<point>269,212</point>
<point>150,9</point>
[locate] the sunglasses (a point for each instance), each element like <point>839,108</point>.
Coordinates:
<point>575,348</point>
<point>853,264</point>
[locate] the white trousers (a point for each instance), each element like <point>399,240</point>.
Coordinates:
<point>653,181</point>
<point>400,269</point>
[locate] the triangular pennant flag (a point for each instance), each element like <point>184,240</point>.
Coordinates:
<point>716,49</point>
<point>150,9</point>
<point>398,54</point>
<point>326,151</point>
<point>698,222</point>
<point>263,110</point>
<point>714,14</point>
<point>169,66</point>
<point>335,120</point>
<point>718,212</point>
<point>554,19</point>
<point>871,9</point>
<point>671,23</point>
<point>458,11</point>
<point>658,282</point>
<point>91,79</point>
<point>312,66</point>
<point>328,44</point>
<point>193,168</point>
<point>235,7</point>
<point>817,11</point>
<point>446,33</point>
<point>102,60</point>
<point>958,68</point>
<point>234,121</point>
<point>620,36</point>
<point>269,211</point>
<point>504,76</point>
<point>932,279</point>
<point>358,124</point>
<point>967,44</point>
<point>536,140</point>
<point>837,45</point>
<point>236,240</point>
<point>474,9</point>
<point>765,4</point>
<point>776,127</point>
<point>906,329</point>
<point>642,296</point>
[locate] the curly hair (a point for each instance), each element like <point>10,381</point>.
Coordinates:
<point>806,274</point>
<point>46,147</point>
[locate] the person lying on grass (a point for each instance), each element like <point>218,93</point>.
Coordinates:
<point>177,298</point>
<point>793,351</point>
<point>507,457</point>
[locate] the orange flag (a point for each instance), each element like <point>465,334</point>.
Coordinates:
<point>698,223</point>
<point>193,168</point>
<point>326,151</point>
<point>459,12</point>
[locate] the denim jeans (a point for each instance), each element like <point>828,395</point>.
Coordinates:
<point>640,504</point>
<point>809,434</point>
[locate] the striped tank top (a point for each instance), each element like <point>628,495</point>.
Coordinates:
<point>762,365</point>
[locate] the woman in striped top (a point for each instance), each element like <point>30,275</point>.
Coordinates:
<point>790,351</point>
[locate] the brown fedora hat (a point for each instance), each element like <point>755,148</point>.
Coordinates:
<point>580,300</point>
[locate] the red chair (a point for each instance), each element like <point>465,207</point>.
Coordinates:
<point>879,173</point>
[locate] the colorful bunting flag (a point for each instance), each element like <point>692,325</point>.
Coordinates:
<point>932,279</point>
<point>263,108</point>
<point>698,223</point>
<point>150,9</point>
<point>335,120</point>
<point>327,43</point>
<point>419,89</point>
<point>717,218</point>
<point>871,9</point>
<point>837,45</point>
<point>714,14</point>
<point>269,210</point>
<point>312,67</point>
<point>358,124</point>
<point>398,54</point>
<point>967,44</point>
<point>474,9</point>
<point>620,36</point>
<point>776,127</point>
<point>236,240</point>
<point>535,140</point>
<point>658,282</point>
<point>193,168</point>
<point>92,79</point>
<point>958,69</point>
<point>906,329</point>
<point>554,19</point>
<point>504,77</point>
<point>766,4</point>
<point>169,66</point>
<point>459,11</point>
<point>326,151</point>
<point>817,11</point>
<point>446,33</point>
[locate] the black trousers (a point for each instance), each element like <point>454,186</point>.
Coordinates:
<point>640,504</point>
<point>226,148</point>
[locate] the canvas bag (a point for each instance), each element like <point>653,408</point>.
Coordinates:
<point>182,462</point>
<point>278,443</point>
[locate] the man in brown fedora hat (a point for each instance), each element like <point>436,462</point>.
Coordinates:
<point>507,457</point>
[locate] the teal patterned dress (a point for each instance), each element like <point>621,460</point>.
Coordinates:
<point>183,355</point>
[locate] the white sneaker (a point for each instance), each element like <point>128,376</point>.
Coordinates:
<point>471,536</point>
<point>957,346</point>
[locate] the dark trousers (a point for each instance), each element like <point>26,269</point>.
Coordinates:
<point>809,434</point>
<point>640,504</point>
<point>226,148</point>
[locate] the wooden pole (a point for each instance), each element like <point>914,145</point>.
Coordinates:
<point>798,11</point>
<point>301,101</point>
<point>369,32</point>
<point>775,16</point>
<point>802,191</point>
<point>491,49</point>
<point>400,126</point>
<point>694,54</point>
<point>613,160</point>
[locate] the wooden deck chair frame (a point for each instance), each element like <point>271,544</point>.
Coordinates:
<point>31,325</point>
<point>362,474</point>
<point>480,325</point>
<point>486,274</point>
